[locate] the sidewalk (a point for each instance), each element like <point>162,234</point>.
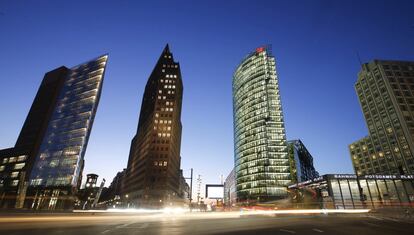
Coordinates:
<point>394,213</point>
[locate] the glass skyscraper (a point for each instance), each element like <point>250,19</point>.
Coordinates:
<point>59,160</point>
<point>262,165</point>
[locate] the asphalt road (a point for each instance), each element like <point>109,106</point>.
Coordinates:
<point>201,223</point>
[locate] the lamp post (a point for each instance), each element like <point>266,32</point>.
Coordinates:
<point>126,196</point>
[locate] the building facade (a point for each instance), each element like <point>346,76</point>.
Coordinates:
<point>262,165</point>
<point>111,196</point>
<point>230,195</point>
<point>349,191</point>
<point>385,91</point>
<point>55,135</point>
<point>302,168</point>
<point>17,162</point>
<point>56,171</point>
<point>153,173</point>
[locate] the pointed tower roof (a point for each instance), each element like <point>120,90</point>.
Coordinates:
<point>166,49</point>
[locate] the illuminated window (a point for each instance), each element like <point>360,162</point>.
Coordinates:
<point>165,163</point>
<point>21,158</point>
<point>14,174</point>
<point>54,163</point>
<point>1,168</point>
<point>35,181</point>
<point>5,160</point>
<point>13,159</point>
<point>19,166</point>
<point>15,183</point>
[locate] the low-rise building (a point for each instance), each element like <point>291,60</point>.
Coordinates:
<point>349,191</point>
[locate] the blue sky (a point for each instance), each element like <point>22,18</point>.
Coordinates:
<point>315,44</point>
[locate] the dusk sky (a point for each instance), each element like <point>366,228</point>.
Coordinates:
<point>315,44</point>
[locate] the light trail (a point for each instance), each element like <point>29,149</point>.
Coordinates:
<point>167,213</point>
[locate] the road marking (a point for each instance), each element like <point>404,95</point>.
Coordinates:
<point>376,225</point>
<point>395,220</point>
<point>374,217</point>
<point>125,225</point>
<point>288,231</point>
<point>317,230</point>
<point>105,231</point>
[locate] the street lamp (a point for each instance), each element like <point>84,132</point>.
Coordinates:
<point>126,196</point>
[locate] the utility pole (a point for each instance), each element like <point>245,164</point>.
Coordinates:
<point>198,188</point>
<point>191,186</point>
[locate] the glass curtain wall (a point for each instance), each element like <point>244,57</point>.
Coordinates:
<point>60,157</point>
<point>261,160</point>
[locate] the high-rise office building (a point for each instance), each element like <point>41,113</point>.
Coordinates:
<point>262,165</point>
<point>52,143</point>
<point>385,91</point>
<point>16,162</point>
<point>153,174</point>
<point>302,168</point>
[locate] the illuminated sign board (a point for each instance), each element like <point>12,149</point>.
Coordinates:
<point>214,191</point>
<point>344,176</point>
<point>320,178</point>
<point>409,177</point>
<point>353,177</point>
<point>260,49</point>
